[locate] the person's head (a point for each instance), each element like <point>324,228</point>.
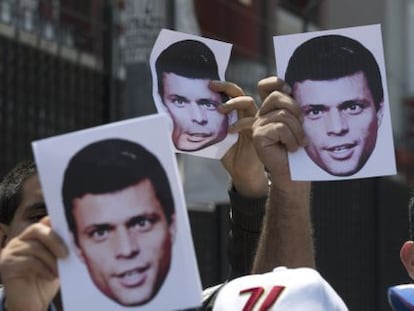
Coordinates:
<point>120,210</point>
<point>337,83</point>
<point>283,289</point>
<point>184,70</point>
<point>21,200</point>
<point>407,250</point>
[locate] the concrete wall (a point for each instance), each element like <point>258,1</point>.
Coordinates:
<point>395,35</point>
<point>339,13</point>
<point>393,16</point>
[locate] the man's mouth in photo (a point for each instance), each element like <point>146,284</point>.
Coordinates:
<point>196,137</point>
<point>341,152</point>
<point>134,277</point>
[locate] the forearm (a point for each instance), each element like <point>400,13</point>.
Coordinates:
<point>245,225</point>
<point>286,238</point>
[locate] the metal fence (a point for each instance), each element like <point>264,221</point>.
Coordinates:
<point>52,84</point>
<point>49,84</point>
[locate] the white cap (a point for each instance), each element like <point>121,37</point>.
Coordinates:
<point>281,290</point>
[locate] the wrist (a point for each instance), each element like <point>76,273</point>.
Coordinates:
<point>252,187</point>
<point>247,213</point>
<point>295,193</point>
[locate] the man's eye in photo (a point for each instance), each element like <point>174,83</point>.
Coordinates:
<point>314,112</point>
<point>354,108</point>
<point>99,234</point>
<point>208,104</point>
<point>143,224</point>
<point>179,102</point>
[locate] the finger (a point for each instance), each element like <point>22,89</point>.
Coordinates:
<point>242,124</point>
<point>276,133</point>
<point>37,255</point>
<point>27,267</point>
<point>285,117</point>
<point>245,104</point>
<point>42,270</point>
<point>47,237</point>
<point>277,100</point>
<point>46,221</point>
<point>229,88</point>
<point>20,257</point>
<point>289,124</point>
<point>271,84</point>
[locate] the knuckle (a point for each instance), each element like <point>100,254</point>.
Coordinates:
<point>236,87</point>
<point>261,84</point>
<point>282,113</point>
<point>280,127</point>
<point>250,102</point>
<point>276,97</point>
<point>283,131</point>
<point>257,134</point>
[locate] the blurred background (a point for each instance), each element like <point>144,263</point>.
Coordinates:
<point>71,64</point>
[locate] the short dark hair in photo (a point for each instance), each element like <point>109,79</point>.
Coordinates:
<point>111,165</point>
<point>187,58</point>
<point>331,57</point>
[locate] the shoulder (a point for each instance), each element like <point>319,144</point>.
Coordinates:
<point>210,292</point>
<point>209,296</point>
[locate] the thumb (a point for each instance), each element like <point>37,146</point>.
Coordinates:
<point>46,221</point>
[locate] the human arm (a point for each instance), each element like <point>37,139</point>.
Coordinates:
<point>28,264</point>
<point>249,189</point>
<point>286,237</point>
<point>245,226</point>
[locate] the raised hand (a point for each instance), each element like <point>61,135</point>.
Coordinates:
<point>278,126</point>
<point>28,265</point>
<point>241,161</point>
<point>286,238</point>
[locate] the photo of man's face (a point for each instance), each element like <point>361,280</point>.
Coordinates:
<point>183,67</point>
<point>341,122</point>
<point>118,205</point>
<point>337,82</point>
<point>125,241</point>
<point>193,108</point>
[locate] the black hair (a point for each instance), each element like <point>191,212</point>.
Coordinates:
<point>187,58</point>
<point>331,57</point>
<point>111,165</point>
<point>11,189</point>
